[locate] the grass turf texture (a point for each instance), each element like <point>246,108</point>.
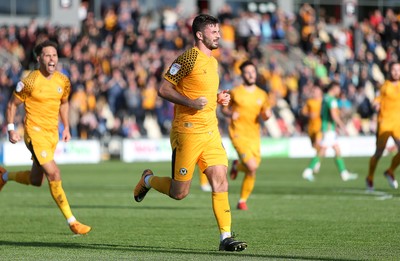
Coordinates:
<point>288,217</point>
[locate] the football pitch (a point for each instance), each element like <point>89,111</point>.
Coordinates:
<point>288,217</point>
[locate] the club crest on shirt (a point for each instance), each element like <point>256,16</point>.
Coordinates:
<point>183,171</point>
<point>20,86</point>
<point>174,68</point>
<point>43,154</point>
<point>59,89</point>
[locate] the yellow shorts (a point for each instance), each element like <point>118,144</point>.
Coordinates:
<point>315,137</point>
<point>189,149</point>
<point>247,149</point>
<point>42,145</point>
<point>383,134</point>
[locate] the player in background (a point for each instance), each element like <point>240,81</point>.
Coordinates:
<point>312,110</point>
<point>191,83</point>
<point>388,107</point>
<point>249,105</point>
<point>330,122</point>
<point>44,93</point>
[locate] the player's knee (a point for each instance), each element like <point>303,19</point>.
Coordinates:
<point>178,196</point>
<point>378,153</point>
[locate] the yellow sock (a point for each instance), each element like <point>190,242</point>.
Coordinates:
<point>395,163</point>
<point>23,177</point>
<point>247,187</point>
<point>372,166</point>
<point>203,179</point>
<point>222,211</point>
<point>59,197</point>
<point>161,184</point>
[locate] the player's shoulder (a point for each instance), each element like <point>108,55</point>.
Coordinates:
<point>60,76</point>
<point>30,75</point>
<point>189,55</point>
<point>28,79</point>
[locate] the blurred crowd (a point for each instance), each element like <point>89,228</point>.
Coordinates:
<point>116,64</point>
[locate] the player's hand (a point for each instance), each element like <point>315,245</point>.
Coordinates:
<point>13,137</point>
<point>200,103</point>
<point>66,135</point>
<point>265,115</point>
<point>224,98</point>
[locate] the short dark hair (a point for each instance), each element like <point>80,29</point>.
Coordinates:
<point>244,64</point>
<point>332,84</point>
<point>201,21</point>
<point>38,48</point>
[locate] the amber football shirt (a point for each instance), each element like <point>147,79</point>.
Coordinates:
<point>248,104</point>
<point>195,75</point>
<point>389,99</point>
<point>312,109</point>
<point>42,98</point>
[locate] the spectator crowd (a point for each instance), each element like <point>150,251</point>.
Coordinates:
<point>116,63</point>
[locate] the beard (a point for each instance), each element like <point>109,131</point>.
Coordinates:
<point>249,82</point>
<point>210,44</point>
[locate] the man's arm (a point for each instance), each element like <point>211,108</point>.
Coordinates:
<point>12,105</point>
<point>64,110</point>
<point>336,117</point>
<point>168,92</point>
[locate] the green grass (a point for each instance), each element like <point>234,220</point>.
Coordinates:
<point>288,218</point>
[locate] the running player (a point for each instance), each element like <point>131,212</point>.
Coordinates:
<point>249,106</point>
<point>191,83</point>
<point>44,92</point>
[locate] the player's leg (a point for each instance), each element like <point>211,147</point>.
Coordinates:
<point>341,166</point>
<point>186,149</point>
<point>316,143</point>
<point>315,163</point>
<point>28,177</point>
<point>381,140</point>
<point>389,173</point>
<point>213,162</point>
<point>22,177</point>
<point>248,182</point>
<point>53,175</point>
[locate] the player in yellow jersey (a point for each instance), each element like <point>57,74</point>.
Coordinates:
<point>249,105</point>
<point>312,110</point>
<point>44,93</point>
<point>388,105</point>
<point>191,83</point>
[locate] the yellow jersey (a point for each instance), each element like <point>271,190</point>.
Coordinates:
<point>248,104</point>
<point>195,75</point>
<point>312,109</point>
<point>42,98</point>
<point>389,100</point>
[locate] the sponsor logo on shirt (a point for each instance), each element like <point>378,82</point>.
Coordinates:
<point>174,69</point>
<point>20,86</point>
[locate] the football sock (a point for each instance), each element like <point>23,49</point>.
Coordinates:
<point>313,162</point>
<point>23,177</point>
<point>59,197</point>
<point>340,164</point>
<point>373,162</point>
<point>222,212</point>
<point>395,163</point>
<point>203,179</point>
<point>161,184</point>
<point>247,187</point>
